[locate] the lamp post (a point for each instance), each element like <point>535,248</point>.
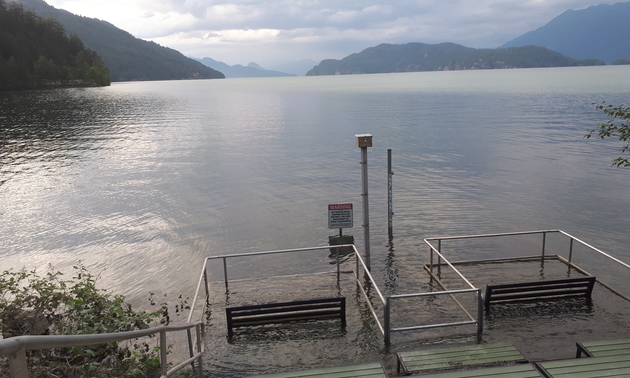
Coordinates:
<point>364,141</point>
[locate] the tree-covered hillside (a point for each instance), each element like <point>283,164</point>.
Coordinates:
<point>127,58</point>
<point>36,52</point>
<point>599,31</point>
<point>413,57</point>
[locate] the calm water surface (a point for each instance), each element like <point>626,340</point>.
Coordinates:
<point>140,181</point>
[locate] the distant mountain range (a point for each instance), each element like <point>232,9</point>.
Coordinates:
<point>251,70</point>
<point>413,57</point>
<point>127,58</point>
<point>597,32</point>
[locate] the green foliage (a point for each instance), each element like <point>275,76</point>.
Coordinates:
<point>127,58</point>
<point>50,304</point>
<point>36,52</point>
<point>617,127</point>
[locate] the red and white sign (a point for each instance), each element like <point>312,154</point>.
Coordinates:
<point>340,215</point>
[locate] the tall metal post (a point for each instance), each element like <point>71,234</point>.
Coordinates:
<point>390,205</point>
<point>364,141</point>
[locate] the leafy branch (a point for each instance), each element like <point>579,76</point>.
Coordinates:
<point>617,127</point>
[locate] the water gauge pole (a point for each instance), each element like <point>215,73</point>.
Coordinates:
<point>390,205</point>
<point>364,141</point>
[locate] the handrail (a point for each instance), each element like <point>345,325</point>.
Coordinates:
<point>16,347</point>
<point>246,254</point>
<point>492,235</point>
<point>451,265</point>
<point>596,249</point>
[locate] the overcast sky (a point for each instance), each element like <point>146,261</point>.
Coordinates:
<point>272,31</point>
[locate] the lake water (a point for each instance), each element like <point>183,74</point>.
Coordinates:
<point>140,181</point>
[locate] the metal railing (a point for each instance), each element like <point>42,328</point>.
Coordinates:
<point>568,261</point>
<point>203,278</point>
<point>386,328</point>
<point>15,347</point>
<point>385,325</point>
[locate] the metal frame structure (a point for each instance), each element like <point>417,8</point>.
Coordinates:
<point>569,261</point>
<point>15,347</point>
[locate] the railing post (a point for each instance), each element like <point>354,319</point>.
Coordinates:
<point>200,335</point>
<point>431,259</point>
<point>17,364</point>
<point>338,269</point>
<point>205,277</point>
<point>480,306</point>
<point>163,363</point>
<point>225,277</point>
<point>571,250</point>
<point>439,255</point>
<point>543,244</point>
<point>386,322</point>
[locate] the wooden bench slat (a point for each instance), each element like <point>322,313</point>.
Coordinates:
<point>458,356</point>
<point>611,366</point>
<point>512,371</point>
<point>370,370</point>
<point>603,348</point>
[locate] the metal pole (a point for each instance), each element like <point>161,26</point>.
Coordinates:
<point>571,251</point>
<point>18,367</point>
<point>480,306</point>
<point>390,206</point>
<point>225,273</point>
<point>366,211</point>
<point>163,363</point>
<point>386,322</point>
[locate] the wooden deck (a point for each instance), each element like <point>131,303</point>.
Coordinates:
<point>593,367</point>
<point>371,370</point>
<point>512,371</point>
<point>603,348</point>
<point>458,357</point>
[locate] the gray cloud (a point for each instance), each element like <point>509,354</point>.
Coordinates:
<point>239,31</point>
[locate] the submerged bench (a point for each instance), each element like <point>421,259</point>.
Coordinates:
<point>611,366</point>
<point>430,359</point>
<point>603,348</point>
<point>281,312</point>
<point>371,370</point>
<point>569,287</point>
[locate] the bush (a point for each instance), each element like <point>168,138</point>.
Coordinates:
<point>32,304</point>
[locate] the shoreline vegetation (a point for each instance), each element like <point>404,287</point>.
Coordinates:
<point>36,53</point>
<point>50,304</point>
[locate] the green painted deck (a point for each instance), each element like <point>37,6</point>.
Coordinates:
<point>371,370</point>
<point>593,367</point>
<point>512,371</point>
<point>460,356</point>
<point>604,348</point>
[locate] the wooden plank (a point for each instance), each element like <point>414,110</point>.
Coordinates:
<point>459,356</point>
<point>594,367</point>
<point>371,370</point>
<point>512,371</point>
<point>606,347</point>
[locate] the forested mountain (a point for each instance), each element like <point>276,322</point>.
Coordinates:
<point>237,70</point>
<point>412,57</point>
<point>598,32</point>
<point>36,52</point>
<point>128,58</point>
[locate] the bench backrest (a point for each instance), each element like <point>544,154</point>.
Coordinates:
<point>582,286</point>
<point>318,308</point>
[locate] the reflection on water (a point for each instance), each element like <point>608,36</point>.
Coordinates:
<point>140,181</point>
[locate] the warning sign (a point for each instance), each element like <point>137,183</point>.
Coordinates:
<point>340,215</point>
